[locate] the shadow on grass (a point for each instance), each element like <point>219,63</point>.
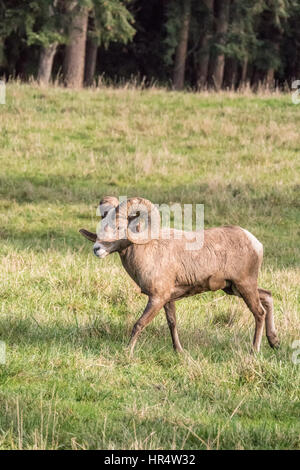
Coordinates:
<point>56,238</point>
<point>85,189</point>
<point>111,338</point>
<point>273,214</point>
<point>90,336</point>
<point>280,252</point>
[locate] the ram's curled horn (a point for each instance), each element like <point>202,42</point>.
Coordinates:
<point>143,220</point>
<point>106,204</point>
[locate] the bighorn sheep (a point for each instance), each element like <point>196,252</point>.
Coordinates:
<point>229,259</point>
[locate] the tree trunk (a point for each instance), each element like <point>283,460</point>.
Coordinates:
<point>204,55</point>
<point>2,54</point>
<point>47,55</point>
<point>256,79</point>
<point>180,56</point>
<point>45,63</point>
<point>269,79</point>
<point>90,61</point>
<point>222,18</point>
<point>243,81</point>
<point>230,73</point>
<point>75,50</point>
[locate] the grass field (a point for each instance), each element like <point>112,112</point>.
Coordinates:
<point>66,317</point>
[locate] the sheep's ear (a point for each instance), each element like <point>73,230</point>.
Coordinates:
<point>138,234</point>
<point>135,229</point>
<point>141,229</point>
<point>89,235</point>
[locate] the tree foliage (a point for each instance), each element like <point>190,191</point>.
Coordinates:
<point>261,38</point>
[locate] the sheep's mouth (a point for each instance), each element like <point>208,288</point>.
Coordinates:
<point>101,253</point>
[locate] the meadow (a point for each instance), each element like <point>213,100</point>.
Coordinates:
<point>66,316</point>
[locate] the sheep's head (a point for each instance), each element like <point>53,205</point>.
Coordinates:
<point>135,220</point>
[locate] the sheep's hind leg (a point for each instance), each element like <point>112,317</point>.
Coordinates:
<point>267,302</point>
<point>171,319</point>
<point>153,307</point>
<point>251,297</point>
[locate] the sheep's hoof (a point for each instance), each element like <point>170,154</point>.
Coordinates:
<point>254,351</point>
<point>275,344</point>
<point>129,352</point>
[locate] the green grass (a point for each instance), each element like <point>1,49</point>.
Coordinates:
<point>66,317</point>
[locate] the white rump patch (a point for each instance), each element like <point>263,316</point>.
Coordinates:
<point>257,246</point>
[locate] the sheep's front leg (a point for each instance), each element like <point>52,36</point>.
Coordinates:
<point>171,319</point>
<point>153,307</point>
